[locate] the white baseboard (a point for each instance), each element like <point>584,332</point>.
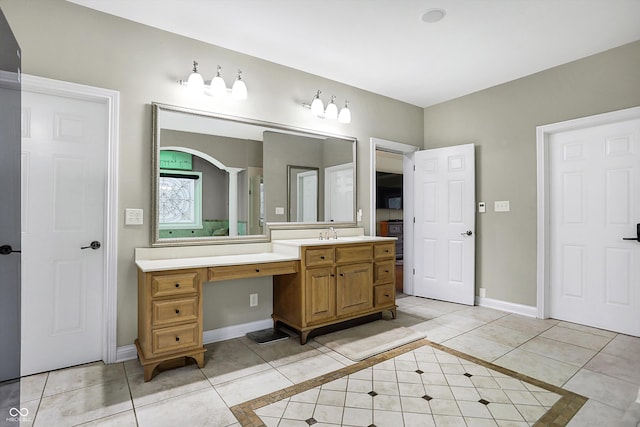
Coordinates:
<point>511,307</point>
<point>235,331</point>
<point>128,352</point>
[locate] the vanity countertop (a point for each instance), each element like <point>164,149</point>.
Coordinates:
<point>282,249</point>
<point>340,240</point>
<point>147,265</point>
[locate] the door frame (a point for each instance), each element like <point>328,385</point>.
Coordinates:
<point>407,234</point>
<point>111,99</point>
<point>543,135</point>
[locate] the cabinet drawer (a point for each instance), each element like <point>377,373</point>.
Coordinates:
<point>354,253</point>
<point>384,271</point>
<point>230,272</point>
<point>383,295</point>
<point>175,338</point>
<point>384,250</point>
<point>170,311</point>
<point>174,284</point>
<point>321,256</point>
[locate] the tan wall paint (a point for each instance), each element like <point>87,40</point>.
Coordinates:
<point>64,41</point>
<point>502,122</point>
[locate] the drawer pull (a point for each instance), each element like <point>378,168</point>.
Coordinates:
<point>177,311</point>
<point>177,339</point>
<point>321,256</point>
<point>177,285</point>
<point>386,250</point>
<point>333,275</point>
<point>386,295</point>
<point>386,271</point>
<point>341,274</point>
<point>257,270</point>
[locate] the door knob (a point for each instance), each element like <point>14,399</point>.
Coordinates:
<point>7,249</point>
<point>93,245</point>
<point>637,238</point>
<point>466,233</point>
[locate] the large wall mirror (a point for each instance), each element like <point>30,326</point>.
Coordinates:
<point>219,178</point>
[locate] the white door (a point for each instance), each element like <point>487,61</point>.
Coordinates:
<point>595,203</point>
<point>307,196</point>
<point>444,207</point>
<point>338,190</point>
<point>63,188</point>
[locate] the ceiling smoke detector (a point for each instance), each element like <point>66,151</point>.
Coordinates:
<point>432,16</point>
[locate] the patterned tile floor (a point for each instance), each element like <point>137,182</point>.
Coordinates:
<point>242,377</point>
<point>425,386</point>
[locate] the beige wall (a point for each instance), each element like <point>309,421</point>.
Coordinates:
<point>502,122</point>
<point>64,41</point>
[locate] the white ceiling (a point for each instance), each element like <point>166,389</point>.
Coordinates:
<point>383,46</point>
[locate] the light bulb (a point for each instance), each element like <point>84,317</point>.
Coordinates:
<point>195,82</point>
<point>345,114</point>
<point>218,85</point>
<point>332,109</point>
<point>317,107</point>
<point>239,89</point>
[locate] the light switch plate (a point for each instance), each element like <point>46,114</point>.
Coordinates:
<point>279,211</point>
<point>501,206</point>
<point>133,216</point>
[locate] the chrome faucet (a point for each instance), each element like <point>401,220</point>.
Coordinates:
<point>328,234</point>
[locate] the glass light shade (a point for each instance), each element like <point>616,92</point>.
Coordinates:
<point>345,115</point>
<point>317,107</point>
<point>239,89</point>
<point>332,111</point>
<point>195,83</point>
<point>218,86</point>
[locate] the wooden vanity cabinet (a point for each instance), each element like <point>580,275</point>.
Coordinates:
<point>169,317</point>
<point>335,283</point>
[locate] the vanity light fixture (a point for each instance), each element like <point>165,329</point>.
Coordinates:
<point>195,82</point>
<point>331,112</point>
<point>239,89</point>
<point>217,86</point>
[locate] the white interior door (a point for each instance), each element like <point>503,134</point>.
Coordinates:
<point>307,196</point>
<point>444,207</point>
<point>63,188</point>
<point>338,190</point>
<point>595,203</point>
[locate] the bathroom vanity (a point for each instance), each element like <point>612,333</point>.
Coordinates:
<point>316,283</point>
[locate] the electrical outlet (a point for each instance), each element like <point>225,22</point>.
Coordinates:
<point>253,300</point>
<point>482,207</point>
<point>483,292</point>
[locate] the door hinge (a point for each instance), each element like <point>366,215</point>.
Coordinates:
<point>414,168</point>
<point>414,271</point>
<point>414,219</point>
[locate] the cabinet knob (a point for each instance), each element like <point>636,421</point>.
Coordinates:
<point>257,270</point>
<point>342,274</point>
<point>177,285</point>
<point>333,275</point>
<point>177,311</point>
<point>177,339</point>
<point>321,256</point>
<point>386,271</point>
<point>386,295</point>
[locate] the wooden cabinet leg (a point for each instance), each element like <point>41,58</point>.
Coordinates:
<point>303,337</point>
<point>199,358</point>
<point>149,371</point>
<point>393,313</point>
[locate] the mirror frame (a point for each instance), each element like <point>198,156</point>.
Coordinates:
<point>158,108</point>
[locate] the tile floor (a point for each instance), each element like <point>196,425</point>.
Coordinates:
<point>600,365</point>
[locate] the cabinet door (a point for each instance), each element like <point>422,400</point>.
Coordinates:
<point>320,290</point>
<point>354,288</point>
